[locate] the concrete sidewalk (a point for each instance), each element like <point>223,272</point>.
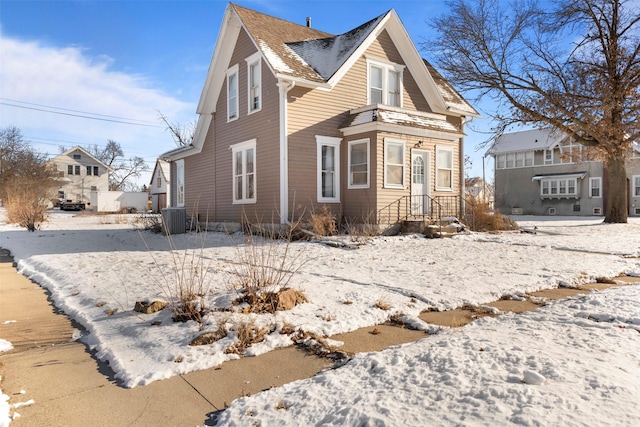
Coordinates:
<point>71,388</point>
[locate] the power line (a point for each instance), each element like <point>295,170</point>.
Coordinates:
<point>68,112</point>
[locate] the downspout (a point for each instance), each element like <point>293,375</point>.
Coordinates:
<point>283,89</point>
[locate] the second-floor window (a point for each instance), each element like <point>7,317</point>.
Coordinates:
<point>69,169</point>
<point>254,82</point>
<point>92,170</point>
<point>159,182</point>
<point>384,83</point>
<point>232,93</point>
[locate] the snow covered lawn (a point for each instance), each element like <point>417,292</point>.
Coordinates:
<point>589,370</point>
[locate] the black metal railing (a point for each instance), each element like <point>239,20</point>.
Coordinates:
<point>425,207</point>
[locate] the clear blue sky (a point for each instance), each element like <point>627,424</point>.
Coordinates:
<point>127,60</point>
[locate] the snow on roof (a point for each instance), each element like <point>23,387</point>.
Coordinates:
<point>534,139</point>
<point>451,97</point>
<point>326,55</point>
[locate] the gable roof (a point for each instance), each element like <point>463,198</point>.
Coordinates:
<point>526,140</point>
<point>315,59</point>
<point>165,169</point>
<point>86,153</point>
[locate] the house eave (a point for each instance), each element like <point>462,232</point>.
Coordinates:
<point>400,129</point>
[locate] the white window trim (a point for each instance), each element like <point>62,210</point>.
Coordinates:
<point>244,146</point>
<point>180,180</point>
<point>231,72</point>
<point>558,195</point>
<point>440,149</point>
<point>388,142</point>
<point>386,67</point>
<point>350,185</point>
<point>335,143</point>
<point>634,179</point>
<point>255,59</point>
<point>599,181</point>
<point>548,161</point>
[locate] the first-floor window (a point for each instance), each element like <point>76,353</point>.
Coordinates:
<point>359,163</point>
<point>244,172</point>
<point>394,159</point>
<point>559,187</point>
<point>69,169</point>
<point>328,169</point>
<point>180,182</point>
<point>636,185</point>
<point>444,166</point>
<point>595,187</point>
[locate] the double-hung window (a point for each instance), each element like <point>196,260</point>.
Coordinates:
<point>384,83</point>
<point>359,163</point>
<point>636,185</point>
<point>244,172</point>
<point>69,169</point>
<point>394,163</point>
<point>559,187</point>
<point>444,168</point>
<point>232,93</point>
<point>328,169</point>
<point>595,187</point>
<point>254,82</point>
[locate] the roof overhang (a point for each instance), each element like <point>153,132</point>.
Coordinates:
<point>578,175</point>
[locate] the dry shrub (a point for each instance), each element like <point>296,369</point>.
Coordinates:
<point>248,334</point>
<point>485,219</point>
<point>323,223</point>
<point>606,280</point>
<point>186,285</point>
<point>265,264</point>
<point>26,201</point>
<point>270,302</point>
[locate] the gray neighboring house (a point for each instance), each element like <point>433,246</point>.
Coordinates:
<point>544,172</point>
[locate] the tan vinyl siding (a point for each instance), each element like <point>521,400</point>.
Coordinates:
<point>208,175</point>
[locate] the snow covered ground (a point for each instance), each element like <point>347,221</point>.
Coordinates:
<point>571,362</point>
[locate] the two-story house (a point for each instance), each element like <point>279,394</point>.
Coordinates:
<point>159,186</point>
<point>80,173</point>
<point>545,172</point>
<point>292,119</point>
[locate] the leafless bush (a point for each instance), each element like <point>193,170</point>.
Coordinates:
<point>323,223</point>
<point>27,199</point>
<point>186,285</point>
<point>265,262</point>
<point>485,219</point>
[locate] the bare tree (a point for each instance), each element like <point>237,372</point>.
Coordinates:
<point>182,134</point>
<point>124,169</point>
<point>575,67</point>
<point>27,183</point>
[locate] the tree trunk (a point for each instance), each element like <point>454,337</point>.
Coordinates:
<point>616,210</point>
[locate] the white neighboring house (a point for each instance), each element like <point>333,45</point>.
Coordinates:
<point>159,186</point>
<point>80,174</point>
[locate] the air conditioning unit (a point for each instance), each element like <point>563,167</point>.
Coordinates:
<point>174,220</point>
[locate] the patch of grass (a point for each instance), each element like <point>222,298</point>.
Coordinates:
<point>318,345</point>
<point>480,217</point>
<point>606,280</point>
<point>248,334</point>
<point>210,337</point>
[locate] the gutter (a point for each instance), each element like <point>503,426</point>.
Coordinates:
<point>284,87</point>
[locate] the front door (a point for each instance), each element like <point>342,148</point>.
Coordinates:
<point>419,182</point>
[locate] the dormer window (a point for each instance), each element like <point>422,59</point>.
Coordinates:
<point>384,83</point>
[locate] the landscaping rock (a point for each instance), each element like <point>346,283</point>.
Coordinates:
<point>287,299</point>
<point>147,307</point>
